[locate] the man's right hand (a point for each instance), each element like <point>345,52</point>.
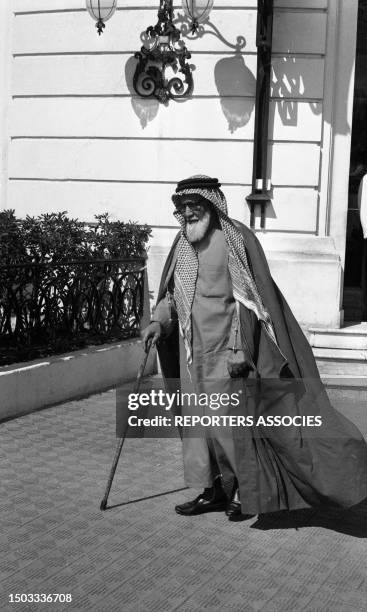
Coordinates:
<point>153,332</point>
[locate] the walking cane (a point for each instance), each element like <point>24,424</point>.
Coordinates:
<point>121,441</point>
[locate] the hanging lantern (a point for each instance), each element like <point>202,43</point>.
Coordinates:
<point>101,11</point>
<point>197,11</point>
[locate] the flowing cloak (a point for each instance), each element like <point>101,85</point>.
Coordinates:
<point>282,467</point>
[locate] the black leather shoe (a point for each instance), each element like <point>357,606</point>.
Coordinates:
<point>212,499</point>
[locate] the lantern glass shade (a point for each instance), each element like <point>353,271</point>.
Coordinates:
<point>197,10</point>
<point>101,10</point>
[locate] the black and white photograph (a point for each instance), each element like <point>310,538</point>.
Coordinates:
<point>183,305</point>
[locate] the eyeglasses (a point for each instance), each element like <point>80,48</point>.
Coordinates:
<point>196,208</point>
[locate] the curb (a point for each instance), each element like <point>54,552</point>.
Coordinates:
<point>26,387</point>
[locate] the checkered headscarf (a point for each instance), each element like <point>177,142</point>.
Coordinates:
<point>186,270</point>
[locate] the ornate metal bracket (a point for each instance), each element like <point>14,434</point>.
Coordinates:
<point>163,49</point>
<point>260,193</point>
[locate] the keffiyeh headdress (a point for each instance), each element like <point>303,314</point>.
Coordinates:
<point>186,270</point>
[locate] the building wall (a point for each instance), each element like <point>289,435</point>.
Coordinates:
<point>82,142</point>
<point>6,22</point>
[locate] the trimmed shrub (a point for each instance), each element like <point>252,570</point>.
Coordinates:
<point>65,285</point>
<point>55,238</point>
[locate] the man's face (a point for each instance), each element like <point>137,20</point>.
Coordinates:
<point>197,215</point>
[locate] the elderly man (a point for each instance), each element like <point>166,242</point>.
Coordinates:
<point>219,318</point>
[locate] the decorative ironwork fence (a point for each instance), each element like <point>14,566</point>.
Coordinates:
<point>50,308</point>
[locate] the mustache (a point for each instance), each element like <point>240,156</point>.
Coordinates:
<point>194,216</point>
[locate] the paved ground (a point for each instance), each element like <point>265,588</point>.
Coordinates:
<point>141,556</point>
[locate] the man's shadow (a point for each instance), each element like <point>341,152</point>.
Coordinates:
<point>351,521</point>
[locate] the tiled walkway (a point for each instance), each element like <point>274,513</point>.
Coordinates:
<point>142,556</point>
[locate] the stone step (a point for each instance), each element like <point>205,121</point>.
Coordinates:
<point>348,388</point>
<point>351,337</point>
<point>344,374</point>
<point>348,394</point>
<point>341,363</point>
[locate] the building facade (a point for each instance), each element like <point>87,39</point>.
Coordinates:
<point>74,136</point>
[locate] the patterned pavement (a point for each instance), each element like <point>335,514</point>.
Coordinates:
<point>141,556</point>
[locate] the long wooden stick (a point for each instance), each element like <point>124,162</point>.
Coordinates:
<point>121,441</point>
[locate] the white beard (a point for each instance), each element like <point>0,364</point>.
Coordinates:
<point>198,230</point>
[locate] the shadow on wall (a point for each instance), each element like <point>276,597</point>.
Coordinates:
<point>294,83</point>
<point>234,80</point>
<point>146,109</point>
<point>290,81</point>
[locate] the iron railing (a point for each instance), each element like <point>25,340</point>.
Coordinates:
<point>50,308</point>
